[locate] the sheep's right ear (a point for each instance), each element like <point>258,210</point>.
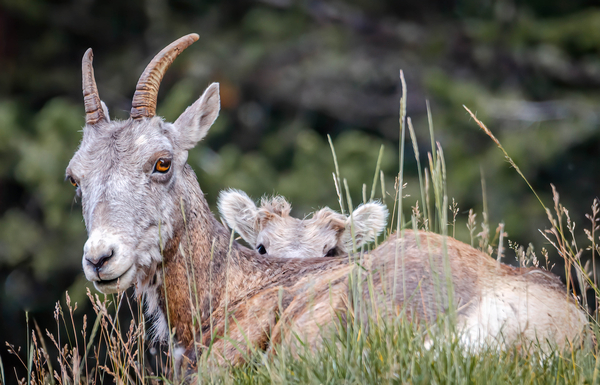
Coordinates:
<point>367,221</point>
<point>194,123</point>
<point>240,214</point>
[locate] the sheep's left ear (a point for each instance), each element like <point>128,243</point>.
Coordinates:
<point>367,222</point>
<point>240,213</point>
<point>194,123</point>
<point>105,109</point>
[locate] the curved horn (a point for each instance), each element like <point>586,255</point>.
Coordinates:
<point>146,91</point>
<point>93,107</point>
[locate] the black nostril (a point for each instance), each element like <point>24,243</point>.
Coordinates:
<point>102,260</point>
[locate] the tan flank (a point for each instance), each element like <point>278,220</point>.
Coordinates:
<point>134,183</point>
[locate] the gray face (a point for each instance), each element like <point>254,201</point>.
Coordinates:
<point>119,170</point>
<point>130,176</point>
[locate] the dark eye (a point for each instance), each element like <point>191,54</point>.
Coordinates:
<point>332,252</point>
<point>261,249</point>
<point>162,165</point>
<point>72,181</point>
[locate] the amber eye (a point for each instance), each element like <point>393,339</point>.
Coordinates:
<point>162,165</point>
<point>72,181</point>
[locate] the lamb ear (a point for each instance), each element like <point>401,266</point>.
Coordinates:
<point>240,214</point>
<point>367,221</point>
<point>194,123</point>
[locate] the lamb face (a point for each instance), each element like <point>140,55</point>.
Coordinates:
<point>273,232</point>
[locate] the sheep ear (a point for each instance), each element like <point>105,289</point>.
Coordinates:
<point>240,214</point>
<point>105,109</point>
<point>194,123</point>
<point>367,222</point>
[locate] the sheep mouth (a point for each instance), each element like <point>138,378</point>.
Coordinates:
<point>110,281</point>
<point>120,283</point>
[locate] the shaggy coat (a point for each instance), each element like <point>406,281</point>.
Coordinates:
<point>149,226</point>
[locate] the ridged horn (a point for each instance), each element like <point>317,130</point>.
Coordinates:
<point>146,91</point>
<point>93,107</point>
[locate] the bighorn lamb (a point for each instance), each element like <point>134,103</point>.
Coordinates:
<point>150,226</point>
<point>274,233</point>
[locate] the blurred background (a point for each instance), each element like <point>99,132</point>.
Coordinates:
<point>291,73</point>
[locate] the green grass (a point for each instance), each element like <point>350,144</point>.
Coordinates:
<point>392,350</point>
<point>394,353</point>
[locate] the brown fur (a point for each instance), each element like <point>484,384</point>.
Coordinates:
<point>270,299</point>
<point>210,287</point>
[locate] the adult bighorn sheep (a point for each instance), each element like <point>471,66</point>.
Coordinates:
<point>134,183</point>
<point>273,232</point>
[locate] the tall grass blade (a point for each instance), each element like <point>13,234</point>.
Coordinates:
<point>382,181</point>
<point>337,173</point>
<point>506,156</point>
<point>350,211</point>
<point>402,120</point>
<point>501,243</point>
<point>377,169</point>
<point>431,132</point>
<point>2,377</point>
<point>413,138</point>
<point>30,350</point>
<point>427,199</point>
